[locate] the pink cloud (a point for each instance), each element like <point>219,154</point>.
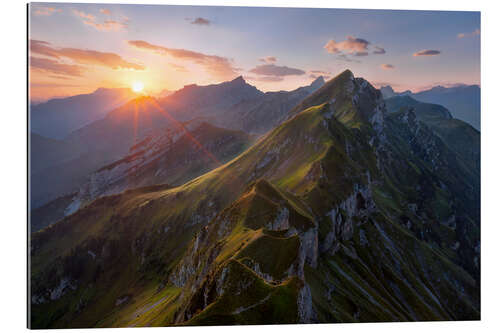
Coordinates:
<point>55,67</point>
<point>46,11</point>
<point>268,59</point>
<point>108,25</point>
<point>352,45</point>
<point>387,66</point>
<point>84,15</point>
<point>217,66</point>
<point>85,57</point>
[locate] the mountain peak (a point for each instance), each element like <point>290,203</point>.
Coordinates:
<point>239,80</point>
<point>318,82</point>
<point>353,100</point>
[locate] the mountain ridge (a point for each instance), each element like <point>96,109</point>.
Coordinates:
<point>343,194</point>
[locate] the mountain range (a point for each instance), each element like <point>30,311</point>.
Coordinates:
<point>463,101</point>
<point>349,208</point>
<point>60,166</point>
<point>58,117</point>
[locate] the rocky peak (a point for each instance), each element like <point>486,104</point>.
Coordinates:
<point>387,91</point>
<point>317,83</point>
<point>238,81</point>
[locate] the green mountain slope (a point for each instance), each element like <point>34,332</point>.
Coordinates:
<point>343,213</point>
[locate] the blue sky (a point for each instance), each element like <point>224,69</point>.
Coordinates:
<point>193,44</point>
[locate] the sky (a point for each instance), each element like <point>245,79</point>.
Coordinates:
<point>77,48</point>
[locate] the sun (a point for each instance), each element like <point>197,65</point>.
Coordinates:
<point>137,86</point>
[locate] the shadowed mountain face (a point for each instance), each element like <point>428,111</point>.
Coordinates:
<point>209,101</point>
<point>58,117</point>
<point>345,212</point>
<point>463,101</point>
<point>236,104</point>
<point>266,112</point>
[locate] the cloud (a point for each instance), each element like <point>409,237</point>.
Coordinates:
<point>352,45</point>
<point>426,53</point>
<point>470,34</point>
<point>387,66</point>
<point>217,66</point>
<point>201,21</point>
<point>55,67</point>
<point>268,59</point>
<point>379,50</point>
<point>273,70</point>
<point>268,78</point>
<point>46,11</point>
<point>106,59</point>
<point>83,15</point>
<point>43,48</point>
<point>107,25</point>
<point>178,68</point>
<point>84,57</point>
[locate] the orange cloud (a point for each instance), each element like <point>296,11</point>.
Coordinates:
<point>55,67</point>
<point>85,57</point>
<point>108,25</point>
<point>46,11</point>
<point>83,15</point>
<point>352,45</point>
<point>219,67</point>
<point>387,66</point>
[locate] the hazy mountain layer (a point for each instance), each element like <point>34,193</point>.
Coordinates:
<point>174,157</point>
<point>67,163</point>
<point>58,117</point>
<point>463,101</point>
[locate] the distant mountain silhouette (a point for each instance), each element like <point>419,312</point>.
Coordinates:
<point>463,101</point>
<point>58,117</point>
